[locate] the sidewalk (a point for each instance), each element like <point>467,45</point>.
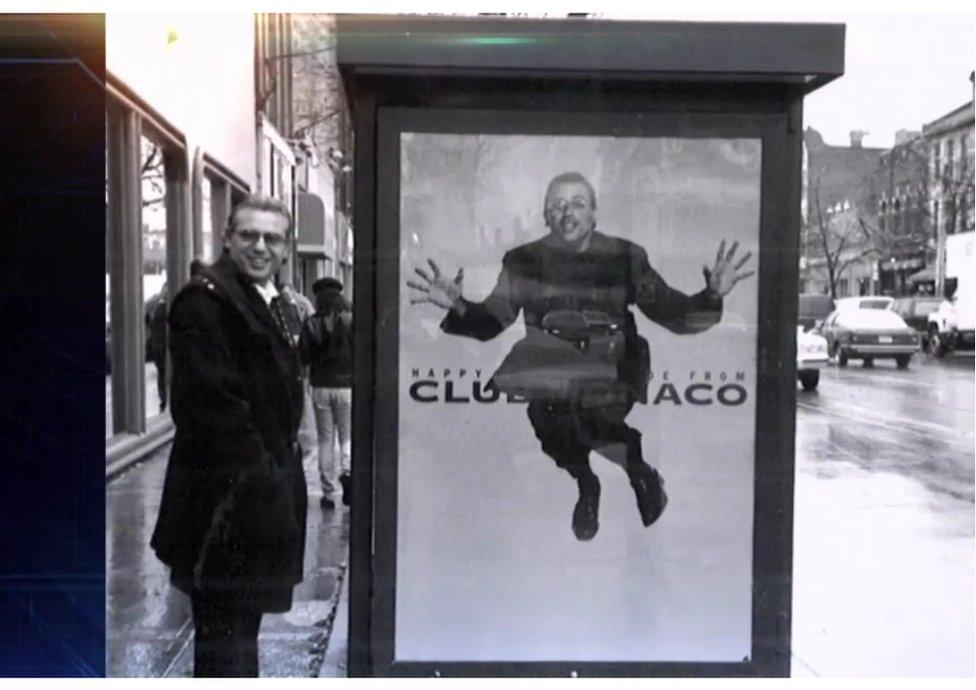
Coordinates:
<point>149,628</point>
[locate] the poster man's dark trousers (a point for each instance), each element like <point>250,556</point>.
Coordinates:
<point>568,433</point>
<point>225,638</point>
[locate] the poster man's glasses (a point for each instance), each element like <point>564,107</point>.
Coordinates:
<point>561,205</point>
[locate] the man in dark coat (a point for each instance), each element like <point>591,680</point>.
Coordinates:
<point>232,520</point>
<point>156,340</point>
<point>582,364</point>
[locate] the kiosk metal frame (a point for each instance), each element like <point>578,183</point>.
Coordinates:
<point>498,76</point>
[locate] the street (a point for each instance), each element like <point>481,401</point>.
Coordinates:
<point>883,543</point>
<point>883,581</point>
<point>150,633</point>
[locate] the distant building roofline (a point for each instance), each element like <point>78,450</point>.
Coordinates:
<point>950,120</point>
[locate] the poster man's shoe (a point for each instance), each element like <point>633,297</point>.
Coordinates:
<point>585,524</point>
<point>649,491</point>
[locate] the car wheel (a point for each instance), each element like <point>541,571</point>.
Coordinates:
<point>810,379</point>
<point>841,357</point>
<point>902,361</point>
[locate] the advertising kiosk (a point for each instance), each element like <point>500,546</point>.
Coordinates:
<point>577,249</point>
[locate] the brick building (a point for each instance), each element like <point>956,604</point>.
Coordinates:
<point>950,165</point>
<point>903,223</point>
<point>838,211</point>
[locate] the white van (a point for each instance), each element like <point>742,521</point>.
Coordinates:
<point>951,326</point>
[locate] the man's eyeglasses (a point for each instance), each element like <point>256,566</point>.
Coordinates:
<point>272,240</point>
<point>561,205</point>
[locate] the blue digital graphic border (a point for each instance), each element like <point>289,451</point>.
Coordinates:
<point>52,388</point>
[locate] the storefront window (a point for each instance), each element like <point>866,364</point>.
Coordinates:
<point>149,248</point>
<point>206,252</point>
<point>154,283</point>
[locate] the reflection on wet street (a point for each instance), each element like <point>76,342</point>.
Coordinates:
<point>149,632</point>
<point>884,576</point>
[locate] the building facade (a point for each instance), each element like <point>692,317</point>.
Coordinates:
<point>323,132</point>
<point>950,168</point>
<point>838,255</point>
<point>200,112</point>
<point>904,225</point>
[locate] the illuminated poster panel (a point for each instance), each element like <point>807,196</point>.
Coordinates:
<point>576,380</point>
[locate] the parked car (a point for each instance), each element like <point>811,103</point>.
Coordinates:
<point>813,309</point>
<point>865,302</point>
<point>869,334</point>
<point>811,355</point>
<point>915,311</point>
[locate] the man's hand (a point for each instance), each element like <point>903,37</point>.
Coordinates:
<point>436,288</point>
<point>723,276</point>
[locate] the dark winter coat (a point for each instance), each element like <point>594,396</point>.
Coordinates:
<point>326,347</point>
<point>232,518</point>
<point>579,329</point>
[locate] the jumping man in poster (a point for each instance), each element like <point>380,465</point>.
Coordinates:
<point>582,365</point>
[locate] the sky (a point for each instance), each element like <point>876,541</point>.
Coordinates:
<point>901,71</point>
<point>903,68</point>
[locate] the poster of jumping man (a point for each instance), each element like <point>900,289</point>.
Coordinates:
<point>577,372</point>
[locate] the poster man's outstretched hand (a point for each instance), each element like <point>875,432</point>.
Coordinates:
<point>723,276</point>
<point>437,288</point>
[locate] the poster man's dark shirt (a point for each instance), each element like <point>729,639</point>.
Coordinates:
<point>547,276</point>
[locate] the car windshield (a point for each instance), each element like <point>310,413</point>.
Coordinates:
<point>871,318</point>
<point>815,306</point>
<point>874,303</point>
<point>926,307</point>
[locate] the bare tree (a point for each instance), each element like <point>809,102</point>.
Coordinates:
<point>840,236</point>
<point>152,174</point>
<point>909,219</point>
<point>317,91</point>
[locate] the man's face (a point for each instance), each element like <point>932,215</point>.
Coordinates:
<point>569,212</point>
<point>258,243</point>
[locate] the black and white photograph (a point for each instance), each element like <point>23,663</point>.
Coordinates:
<point>636,342</point>
<point>580,310</point>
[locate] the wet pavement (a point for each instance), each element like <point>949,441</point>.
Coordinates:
<point>150,389</point>
<point>884,577</point>
<point>149,629</point>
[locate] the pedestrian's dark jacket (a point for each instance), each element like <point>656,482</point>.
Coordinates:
<point>327,350</point>
<point>232,517</point>
<point>578,322</point>
<point>156,328</point>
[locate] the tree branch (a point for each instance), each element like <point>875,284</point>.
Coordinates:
<point>854,259</point>
<point>324,118</point>
<point>151,160</point>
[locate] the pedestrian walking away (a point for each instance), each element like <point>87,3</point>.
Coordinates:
<point>326,347</point>
<point>155,317</point>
